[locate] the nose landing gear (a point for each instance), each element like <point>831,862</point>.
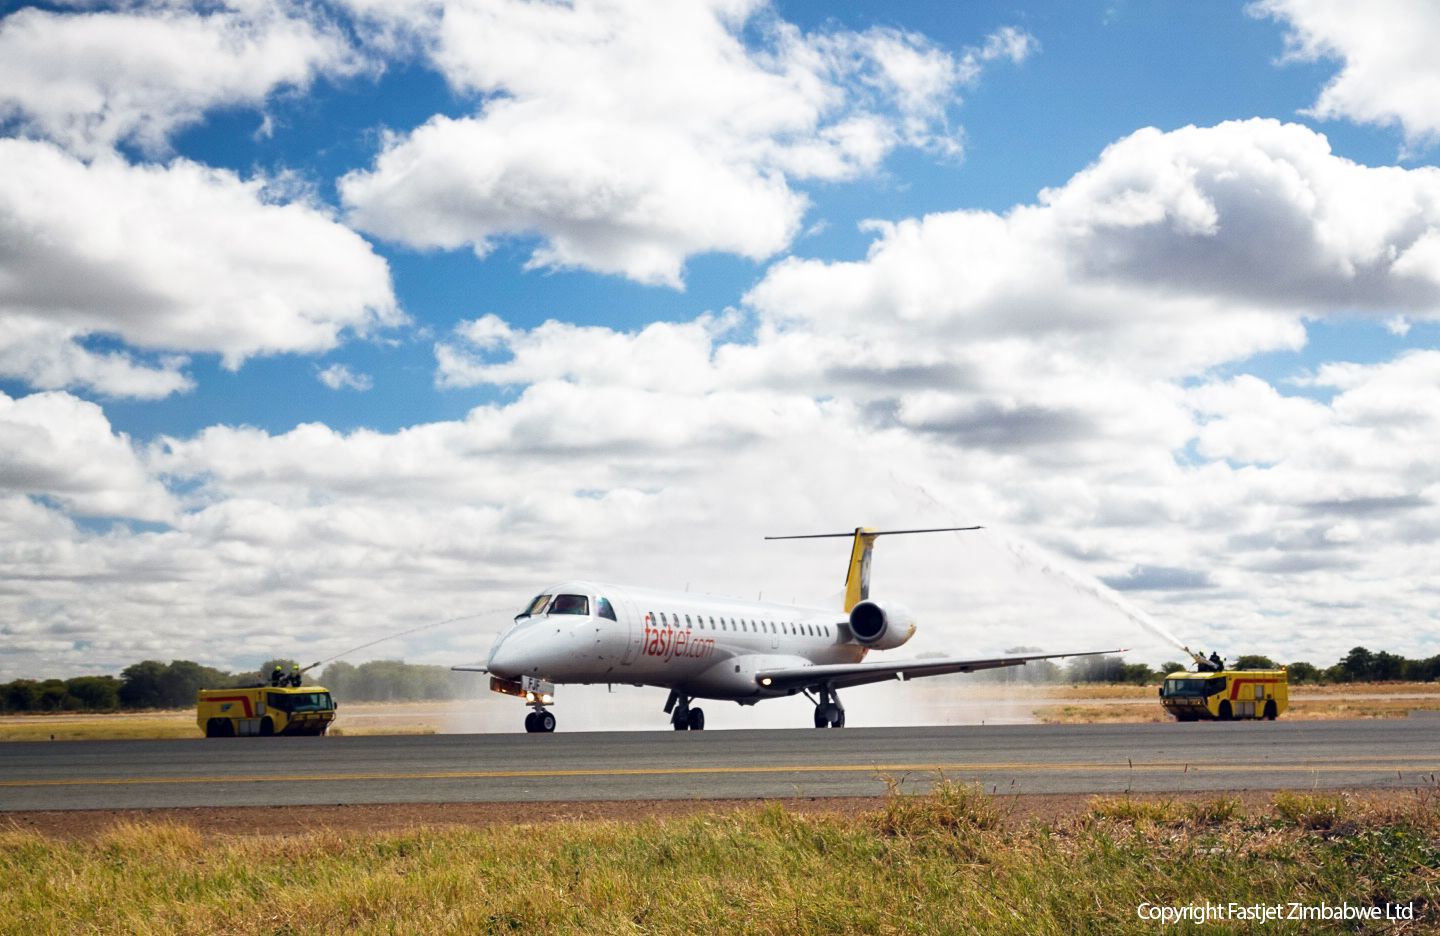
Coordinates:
<point>682,716</point>
<point>539,721</point>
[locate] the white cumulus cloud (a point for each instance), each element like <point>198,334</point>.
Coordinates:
<point>172,258</point>
<point>1389,74</point>
<point>629,135</point>
<point>341,377</point>
<point>56,445</point>
<point>138,71</point>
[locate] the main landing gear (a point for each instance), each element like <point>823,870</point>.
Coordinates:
<point>539,721</point>
<point>682,716</point>
<point>829,713</point>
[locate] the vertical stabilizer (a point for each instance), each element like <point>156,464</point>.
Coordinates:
<point>857,579</point>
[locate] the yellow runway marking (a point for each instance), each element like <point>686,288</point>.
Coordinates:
<point>1154,767</point>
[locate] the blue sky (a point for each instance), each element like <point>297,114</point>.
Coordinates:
<point>1149,286</point>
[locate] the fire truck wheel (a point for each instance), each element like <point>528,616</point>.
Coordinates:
<point>267,727</point>
<point>1270,711</point>
<point>1226,713</point>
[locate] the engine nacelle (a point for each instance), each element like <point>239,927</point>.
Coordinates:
<point>881,626</point>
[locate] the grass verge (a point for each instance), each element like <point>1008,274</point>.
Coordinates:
<point>946,861</point>
<point>1151,711</point>
<point>117,726</point>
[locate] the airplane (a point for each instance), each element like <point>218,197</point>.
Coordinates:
<point>702,647</point>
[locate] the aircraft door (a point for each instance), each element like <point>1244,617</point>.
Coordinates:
<point>631,620</point>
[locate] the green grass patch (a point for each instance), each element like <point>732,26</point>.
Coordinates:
<point>949,861</point>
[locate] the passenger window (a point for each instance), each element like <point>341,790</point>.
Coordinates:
<point>603,608</point>
<point>687,620</point>
<point>570,604</point>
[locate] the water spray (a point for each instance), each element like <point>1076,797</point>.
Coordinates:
<point>1092,587</point>
<point>403,633</point>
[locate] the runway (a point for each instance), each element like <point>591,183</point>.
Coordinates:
<point>587,766</point>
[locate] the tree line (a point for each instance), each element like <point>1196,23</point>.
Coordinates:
<point>152,684</point>
<point>1359,665</point>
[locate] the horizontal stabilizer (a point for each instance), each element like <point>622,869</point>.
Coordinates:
<point>857,577</point>
<point>850,533</point>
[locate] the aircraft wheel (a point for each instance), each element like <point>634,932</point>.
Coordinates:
<point>696,719</point>
<point>545,722</point>
<point>1226,713</point>
<point>837,718</point>
<point>530,723</point>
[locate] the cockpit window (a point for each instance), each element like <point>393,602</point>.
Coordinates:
<point>536,606</point>
<point>570,604</point>
<point>602,608</point>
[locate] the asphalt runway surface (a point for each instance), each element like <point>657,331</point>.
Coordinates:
<point>588,766</point>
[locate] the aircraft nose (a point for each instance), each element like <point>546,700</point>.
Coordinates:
<point>501,662</point>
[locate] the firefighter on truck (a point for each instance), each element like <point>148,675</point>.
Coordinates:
<point>1214,693</point>
<point>282,707</point>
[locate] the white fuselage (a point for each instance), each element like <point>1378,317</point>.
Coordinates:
<point>702,646</point>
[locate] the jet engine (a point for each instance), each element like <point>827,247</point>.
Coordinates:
<point>881,626</point>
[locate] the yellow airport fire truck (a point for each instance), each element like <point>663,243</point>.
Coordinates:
<point>264,711</point>
<point>1218,694</point>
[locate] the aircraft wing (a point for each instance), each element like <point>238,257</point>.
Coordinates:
<point>842,675</point>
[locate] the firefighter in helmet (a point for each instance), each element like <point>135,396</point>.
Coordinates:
<point>295,675</point>
<point>277,675</point>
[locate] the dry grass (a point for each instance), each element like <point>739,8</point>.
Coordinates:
<point>1331,707</point>
<point>941,862</point>
<point>121,725</point>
